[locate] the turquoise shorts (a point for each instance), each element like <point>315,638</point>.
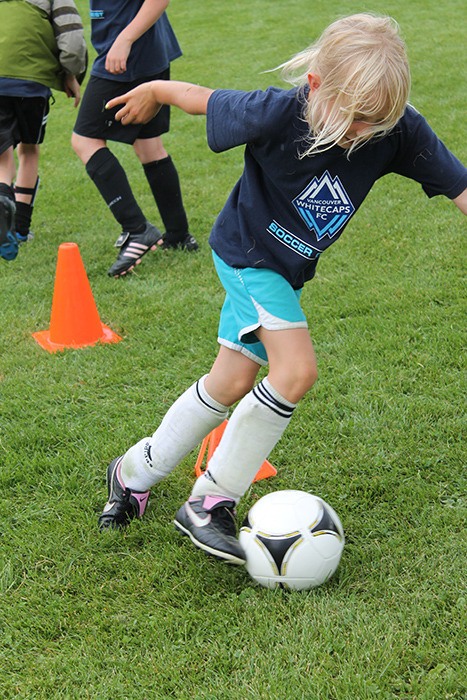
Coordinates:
<point>255,297</point>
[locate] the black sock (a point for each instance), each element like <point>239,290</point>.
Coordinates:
<point>24,209</point>
<point>110,179</point>
<point>23,218</point>
<point>165,186</point>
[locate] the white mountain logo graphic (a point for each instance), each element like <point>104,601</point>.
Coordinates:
<point>324,205</point>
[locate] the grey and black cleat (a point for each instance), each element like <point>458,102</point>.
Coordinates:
<point>123,504</point>
<point>133,246</point>
<point>209,521</point>
<point>188,243</point>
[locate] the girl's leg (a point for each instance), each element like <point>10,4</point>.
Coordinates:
<point>257,423</point>
<point>261,417</point>
<point>203,407</point>
<point>195,414</point>
<point>292,361</point>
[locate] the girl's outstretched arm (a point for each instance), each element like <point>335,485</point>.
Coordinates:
<point>142,104</point>
<point>461,201</point>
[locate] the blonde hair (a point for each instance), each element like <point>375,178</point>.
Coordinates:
<point>363,73</point>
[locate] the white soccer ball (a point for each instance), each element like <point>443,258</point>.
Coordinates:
<point>292,540</point>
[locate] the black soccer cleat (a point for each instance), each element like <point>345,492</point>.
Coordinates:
<point>133,246</point>
<point>188,243</point>
<point>209,521</point>
<point>124,504</point>
<point>24,238</point>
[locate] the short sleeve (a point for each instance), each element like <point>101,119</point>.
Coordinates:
<point>236,118</point>
<point>425,159</point>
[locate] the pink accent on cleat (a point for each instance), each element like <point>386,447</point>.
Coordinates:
<point>142,499</point>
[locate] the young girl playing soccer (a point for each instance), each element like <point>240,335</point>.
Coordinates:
<point>312,155</point>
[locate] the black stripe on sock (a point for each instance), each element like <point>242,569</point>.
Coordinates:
<point>266,398</point>
<point>205,402</point>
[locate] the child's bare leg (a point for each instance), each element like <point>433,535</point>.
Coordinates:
<point>232,376</point>
<point>292,361</point>
<point>7,166</point>
<point>28,168</point>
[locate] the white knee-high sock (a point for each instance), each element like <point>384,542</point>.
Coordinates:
<point>253,430</point>
<point>193,415</point>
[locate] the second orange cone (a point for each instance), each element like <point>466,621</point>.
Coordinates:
<point>74,321</point>
<point>209,445</point>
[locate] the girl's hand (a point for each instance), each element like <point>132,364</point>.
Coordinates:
<point>139,105</point>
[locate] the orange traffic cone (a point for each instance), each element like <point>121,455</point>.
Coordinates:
<point>209,445</point>
<point>74,321</point>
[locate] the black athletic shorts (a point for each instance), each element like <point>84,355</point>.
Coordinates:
<point>22,120</point>
<point>96,122</point>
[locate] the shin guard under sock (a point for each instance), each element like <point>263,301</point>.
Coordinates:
<point>24,209</point>
<point>164,182</point>
<point>23,219</point>
<point>108,175</point>
<point>253,430</point>
<point>193,415</point>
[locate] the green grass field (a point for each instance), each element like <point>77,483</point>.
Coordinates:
<point>141,615</point>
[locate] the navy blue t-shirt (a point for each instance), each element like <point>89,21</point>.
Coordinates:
<point>285,211</point>
<point>152,53</point>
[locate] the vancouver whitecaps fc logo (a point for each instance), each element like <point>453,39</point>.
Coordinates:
<point>324,205</point>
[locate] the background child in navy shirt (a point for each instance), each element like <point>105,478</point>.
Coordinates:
<point>135,43</point>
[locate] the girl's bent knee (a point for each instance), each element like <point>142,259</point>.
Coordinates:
<point>295,381</point>
<point>239,387</point>
<point>228,393</point>
<point>304,380</point>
